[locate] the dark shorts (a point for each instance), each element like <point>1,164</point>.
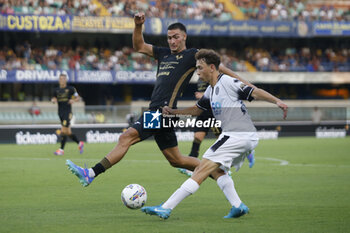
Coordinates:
<point>65,118</point>
<point>165,138</point>
<point>203,117</point>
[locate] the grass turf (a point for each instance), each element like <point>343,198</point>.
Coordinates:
<point>296,185</point>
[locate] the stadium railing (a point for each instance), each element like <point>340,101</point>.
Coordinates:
<point>299,110</point>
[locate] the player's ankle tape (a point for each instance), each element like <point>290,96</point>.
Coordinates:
<point>105,163</point>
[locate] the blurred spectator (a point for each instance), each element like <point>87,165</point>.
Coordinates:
<point>316,115</point>
<point>131,118</point>
<point>99,117</point>
<point>34,110</point>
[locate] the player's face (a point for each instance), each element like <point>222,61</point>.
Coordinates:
<point>176,40</point>
<point>62,81</point>
<point>203,70</point>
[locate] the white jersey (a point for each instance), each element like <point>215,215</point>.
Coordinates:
<point>225,100</point>
<point>239,135</point>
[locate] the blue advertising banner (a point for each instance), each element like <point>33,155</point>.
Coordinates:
<point>135,76</point>
<point>103,24</point>
<point>157,26</point>
<point>34,76</point>
<point>149,77</point>
<point>79,76</point>
<point>331,28</point>
<point>42,23</point>
<point>94,76</point>
<point>66,23</point>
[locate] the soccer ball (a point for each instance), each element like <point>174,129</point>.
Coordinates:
<point>134,196</point>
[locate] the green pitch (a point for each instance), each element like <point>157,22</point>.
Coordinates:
<point>296,185</point>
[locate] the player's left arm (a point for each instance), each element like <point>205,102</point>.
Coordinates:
<point>260,94</point>
<point>74,97</point>
<point>198,95</point>
<point>54,100</point>
<point>223,69</point>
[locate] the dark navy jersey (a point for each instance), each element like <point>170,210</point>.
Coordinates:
<point>63,96</point>
<point>173,75</point>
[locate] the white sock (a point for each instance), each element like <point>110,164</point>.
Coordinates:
<point>226,184</point>
<point>91,172</point>
<point>187,188</point>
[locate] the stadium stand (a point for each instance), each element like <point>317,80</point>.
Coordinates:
<point>196,9</point>
<point>156,8</point>
<point>295,10</point>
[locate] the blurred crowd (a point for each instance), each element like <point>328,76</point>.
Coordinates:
<point>192,9</point>
<point>25,56</point>
<point>289,59</point>
<point>196,9</point>
<point>293,10</point>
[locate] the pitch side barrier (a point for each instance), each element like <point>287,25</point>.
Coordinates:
<point>110,133</point>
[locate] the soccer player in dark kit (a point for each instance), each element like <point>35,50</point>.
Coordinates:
<point>65,96</point>
<point>176,66</point>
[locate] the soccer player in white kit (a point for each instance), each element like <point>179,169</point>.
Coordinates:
<point>224,96</point>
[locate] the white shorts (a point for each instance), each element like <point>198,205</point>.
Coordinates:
<point>230,150</point>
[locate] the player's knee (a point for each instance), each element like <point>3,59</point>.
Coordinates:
<point>217,173</point>
<point>175,162</point>
<point>128,138</point>
<point>63,133</point>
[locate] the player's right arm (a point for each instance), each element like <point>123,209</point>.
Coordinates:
<point>138,42</point>
<point>260,94</point>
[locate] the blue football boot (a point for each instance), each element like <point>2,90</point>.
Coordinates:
<point>81,173</point>
<point>237,212</point>
<point>185,171</point>
<point>251,158</point>
<point>157,210</point>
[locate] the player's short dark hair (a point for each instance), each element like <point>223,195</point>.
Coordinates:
<point>65,75</point>
<point>209,56</point>
<point>177,25</point>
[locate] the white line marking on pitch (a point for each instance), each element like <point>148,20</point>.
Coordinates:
<point>282,162</point>
<point>286,163</point>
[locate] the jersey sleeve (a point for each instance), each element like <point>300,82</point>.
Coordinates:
<point>160,52</point>
<point>73,93</point>
<point>204,102</point>
<point>244,91</point>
